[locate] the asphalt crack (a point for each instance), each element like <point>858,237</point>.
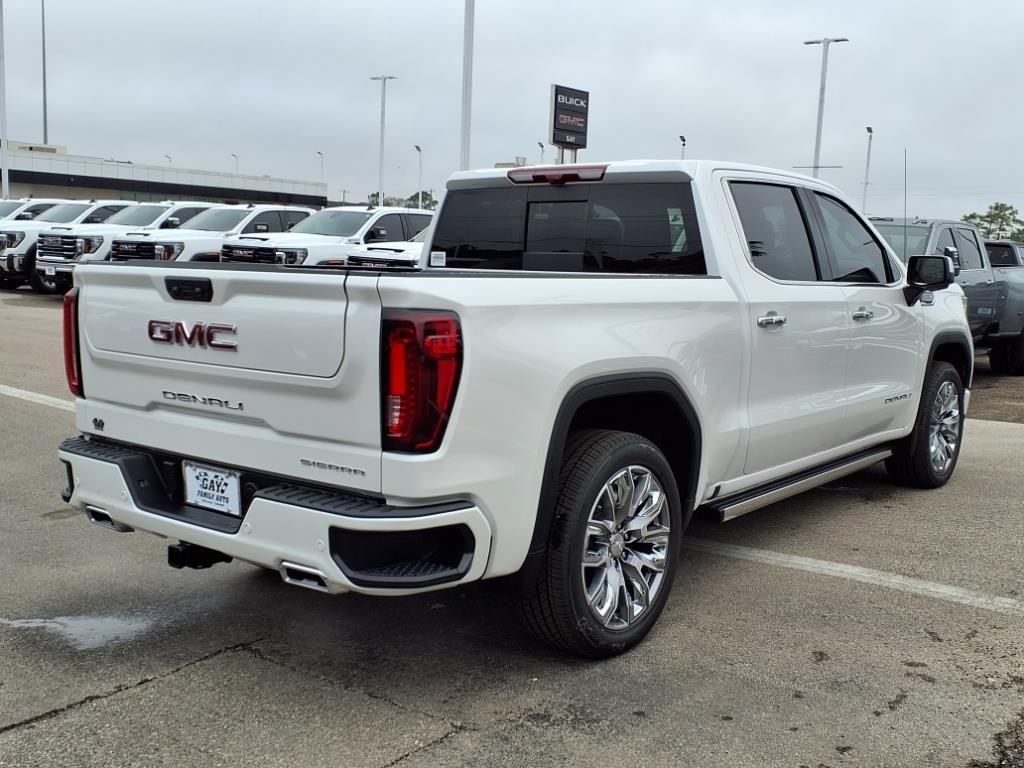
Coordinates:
<point>52,713</point>
<point>1009,747</point>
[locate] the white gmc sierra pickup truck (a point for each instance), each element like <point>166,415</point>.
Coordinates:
<point>593,354</point>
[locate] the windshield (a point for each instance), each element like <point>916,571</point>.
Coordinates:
<point>907,241</point>
<point>217,219</point>
<point>137,215</point>
<point>6,209</point>
<point>63,213</point>
<point>338,223</point>
<point>1001,255</point>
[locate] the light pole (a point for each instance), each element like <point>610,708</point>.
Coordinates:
<point>42,12</point>
<point>824,42</point>
<point>419,183</point>
<point>343,193</point>
<point>236,162</point>
<point>321,156</point>
<point>5,177</point>
<point>169,161</point>
<point>380,160</point>
<point>867,170</point>
<point>467,85</point>
<point>541,145</point>
<point>682,148</point>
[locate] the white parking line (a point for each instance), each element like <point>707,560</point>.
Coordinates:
<point>33,397</point>
<point>864,575</point>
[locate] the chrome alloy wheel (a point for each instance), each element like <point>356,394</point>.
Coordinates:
<point>944,427</point>
<point>625,547</point>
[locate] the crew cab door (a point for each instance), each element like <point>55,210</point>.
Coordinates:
<point>976,280</point>
<point>800,330</point>
<point>884,363</point>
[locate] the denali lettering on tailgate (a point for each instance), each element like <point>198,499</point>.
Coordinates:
<point>192,334</point>
<point>214,402</point>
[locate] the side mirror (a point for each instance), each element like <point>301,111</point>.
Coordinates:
<point>927,273</point>
<point>377,235</point>
<point>94,220</point>
<point>261,228</point>
<point>954,255</point>
<point>171,222</point>
<point>24,216</point>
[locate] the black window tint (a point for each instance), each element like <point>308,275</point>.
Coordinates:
<point>775,231</point>
<point>416,223</point>
<point>39,208</point>
<point>482,228</point>
<point>970,254</point>
<point>856,256</point>
<point>944,240</point>
<point>387,228</point>
<point>1001,255</point>
<point>291,218</point>
<point>103,213</point>
<point>184,214</point>
<point>620,228</point>
<point>271,218</point>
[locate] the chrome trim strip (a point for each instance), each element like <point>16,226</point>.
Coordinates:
<point>728,511</point>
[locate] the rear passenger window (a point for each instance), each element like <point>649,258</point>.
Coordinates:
<point>856,256</point>
<point>970,253</point>
<point>416,223</point>
<point>1000,255</point>
<point>291,218</point>
<point>775,231</point>
<point>612,228</point>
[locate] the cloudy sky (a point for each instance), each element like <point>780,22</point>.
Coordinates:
<point>276,81</point>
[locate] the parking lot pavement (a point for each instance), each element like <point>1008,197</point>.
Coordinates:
<point>109,657</point>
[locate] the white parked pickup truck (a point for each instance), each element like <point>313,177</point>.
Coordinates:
<point>22,237</point>
<point>202,238</point>
<point>593,354</point>
<point>328,236</point>
<point>61,248</point>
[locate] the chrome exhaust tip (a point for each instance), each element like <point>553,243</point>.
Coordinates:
<point>100,517</point>
<point>303,576</point>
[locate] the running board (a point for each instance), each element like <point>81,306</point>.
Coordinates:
<point>747,501</point>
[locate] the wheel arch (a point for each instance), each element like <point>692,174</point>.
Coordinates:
<point>599,403</point>
<point>954,347</point>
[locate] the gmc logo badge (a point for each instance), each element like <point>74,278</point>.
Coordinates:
<point>192,335</point>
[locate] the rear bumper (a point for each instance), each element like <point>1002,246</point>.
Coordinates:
<point>350,543</point>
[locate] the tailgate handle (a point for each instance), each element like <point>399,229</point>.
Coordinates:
<point>189,288</point>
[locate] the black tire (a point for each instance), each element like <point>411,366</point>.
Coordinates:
<point>998,359</point>
<point>1014,354</point>
<point>9,283</point>
<point>555,609</point>
<point>40,283</point>
<point>912,463</point>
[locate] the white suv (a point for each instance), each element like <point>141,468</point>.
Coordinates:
<point>202,238</point>
<point>62,247</point>
<point>328,236</point>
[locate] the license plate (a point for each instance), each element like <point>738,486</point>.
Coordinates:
<point>50,271</point>
<point>212,488</point>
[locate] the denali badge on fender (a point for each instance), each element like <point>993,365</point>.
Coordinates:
<point>192,335</point>
<point>214,402</point>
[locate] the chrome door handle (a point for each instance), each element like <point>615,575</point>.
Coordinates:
<point>771,320</point>
<point>863,314</point>
<point>990,282</point>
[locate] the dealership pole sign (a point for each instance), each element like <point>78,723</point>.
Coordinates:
<point>569,117</point>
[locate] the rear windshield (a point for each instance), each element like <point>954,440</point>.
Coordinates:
<point>218,219</point>
<point>907,241</point>
<point>137,215</point>
<point>1001,255</point>
<point>63,213</point>
<point>621,228</point>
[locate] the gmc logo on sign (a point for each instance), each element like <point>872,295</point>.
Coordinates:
<point>192,335</point>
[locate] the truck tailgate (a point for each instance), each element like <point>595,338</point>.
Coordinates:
<point>260,373</point>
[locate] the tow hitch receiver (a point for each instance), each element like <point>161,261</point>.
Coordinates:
<point>185,555</point>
